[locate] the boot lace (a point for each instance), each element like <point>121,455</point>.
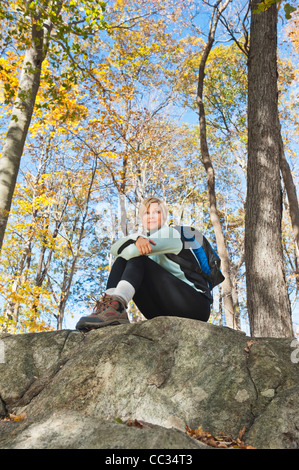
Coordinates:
<point>103,303</point>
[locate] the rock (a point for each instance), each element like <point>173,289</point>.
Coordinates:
<point>169,372</point>
<point>69,429</point>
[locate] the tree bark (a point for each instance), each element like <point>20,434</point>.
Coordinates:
<point>22,113</point>
<point>229,310</point>
<point>293,204</point>
<point>18,128</point>
<point>267,296</point>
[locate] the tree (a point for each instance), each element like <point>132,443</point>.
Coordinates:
<point>267,296</point>
<point>33,26</point>
<point>284,76</point>
<point>293,33</point>
<point>117,134</point>
<point>207,162</point>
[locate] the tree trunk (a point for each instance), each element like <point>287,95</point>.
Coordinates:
<point>123,214</point>
<point>22,112</point>
<point>293,204</point>
<point>68,274</point>
<point>19,125</point>
<point>267,296</point>
<point>229,310</point>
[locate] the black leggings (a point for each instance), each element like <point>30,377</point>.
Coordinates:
<point>157,291</point>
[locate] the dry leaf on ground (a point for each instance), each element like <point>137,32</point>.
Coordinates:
<point>223,441</point>
<point>12,417</point>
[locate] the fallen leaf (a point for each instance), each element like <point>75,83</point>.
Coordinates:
<point>223,441</point>
<point>138,424</point>
<point>13,417</point>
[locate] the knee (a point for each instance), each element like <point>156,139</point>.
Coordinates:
<point>120,262</point>
<point>138,260</point>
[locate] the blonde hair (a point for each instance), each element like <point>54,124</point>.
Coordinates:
<point>152,200</point>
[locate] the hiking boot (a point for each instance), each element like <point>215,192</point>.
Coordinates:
<point>110,310</point>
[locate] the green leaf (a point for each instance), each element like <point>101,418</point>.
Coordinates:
<point>263,6</point>
<point>288,9</point>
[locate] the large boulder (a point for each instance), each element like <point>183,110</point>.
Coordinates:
<point>168,372</point>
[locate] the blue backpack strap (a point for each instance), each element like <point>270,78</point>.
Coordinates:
<point>202,258</point>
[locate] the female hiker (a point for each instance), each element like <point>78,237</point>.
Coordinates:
<point>144,272</point>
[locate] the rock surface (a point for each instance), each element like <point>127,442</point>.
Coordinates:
<point>168,372</point>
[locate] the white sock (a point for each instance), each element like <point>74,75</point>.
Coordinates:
<point>110,291</point>
<point>124,289</point>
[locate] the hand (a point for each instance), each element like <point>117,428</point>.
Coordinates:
<point>144,245</point>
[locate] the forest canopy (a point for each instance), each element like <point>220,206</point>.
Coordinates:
<point>114,119</point>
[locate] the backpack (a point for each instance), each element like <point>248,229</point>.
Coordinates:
<point>208,261</point>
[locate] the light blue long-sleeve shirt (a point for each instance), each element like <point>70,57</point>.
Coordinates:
<point>167,240</point>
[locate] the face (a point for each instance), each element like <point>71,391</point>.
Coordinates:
<point>152,218</point>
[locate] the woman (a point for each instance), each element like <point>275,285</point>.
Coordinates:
<point>143,272</point>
